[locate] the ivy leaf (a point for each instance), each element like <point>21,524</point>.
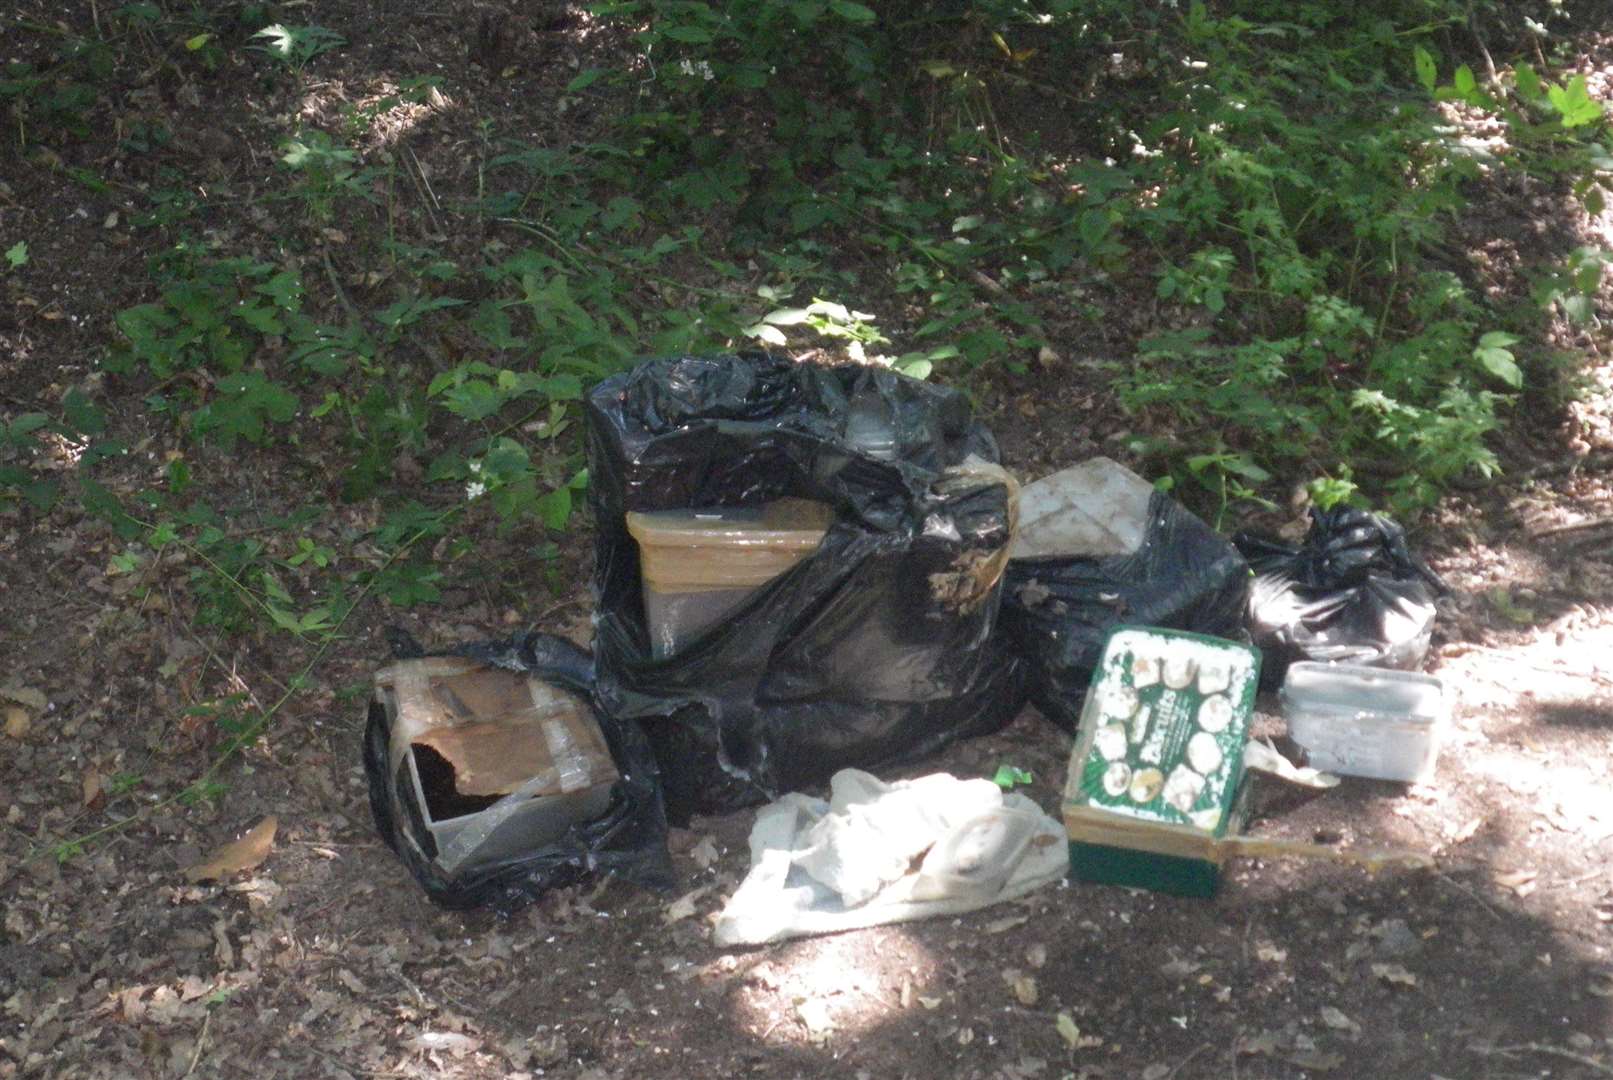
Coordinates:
<point>1463,81</point>
<point>43,494</point>
<point>786,317</point>
<point>1427,71</point>
<point>692,35</point>
<point>1574,103</point>
<point>585,80</point>
<point>770,334</point>
<point>245,400</point>
<point>1495,356</point>
<point>851,12</point>
<point>555,508</point>
<point>1009,775</point>
<point>1528,82</point>
<point>1240,465</point>
<point>473,399</point>
<point>27,422</point>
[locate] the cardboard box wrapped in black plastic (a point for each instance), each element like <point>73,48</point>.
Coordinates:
<point>493,778</point>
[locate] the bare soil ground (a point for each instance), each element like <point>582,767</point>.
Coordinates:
<point>328,961</point>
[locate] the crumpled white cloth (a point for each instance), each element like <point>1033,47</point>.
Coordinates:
<point>882,853</point>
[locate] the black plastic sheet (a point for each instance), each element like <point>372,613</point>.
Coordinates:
<point>628,840</point>
<point>1057,609</point>
<point>876,648</point>
<point>1350,592</point>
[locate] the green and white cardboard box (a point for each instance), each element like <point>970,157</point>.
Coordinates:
<point>1156,780</point>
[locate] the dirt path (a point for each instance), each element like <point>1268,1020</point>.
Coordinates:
<point>328,961</point>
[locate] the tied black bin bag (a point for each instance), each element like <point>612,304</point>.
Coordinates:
<point>1350,592</point>
<point>626,836</point>
<point>1057,609</point>
<point>876,647</point>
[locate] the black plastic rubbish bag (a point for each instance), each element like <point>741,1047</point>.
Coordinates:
<point>627,839</point>
<point>1350,592</point>
<point>875,648</point>
<point>1057,609</point>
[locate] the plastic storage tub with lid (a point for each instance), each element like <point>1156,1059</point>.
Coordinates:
<point>699,565</point>
<point>1366,721</point>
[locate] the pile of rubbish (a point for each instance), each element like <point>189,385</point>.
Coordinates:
<point>806,575</point>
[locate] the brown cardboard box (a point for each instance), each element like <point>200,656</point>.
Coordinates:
<point>498,763</point>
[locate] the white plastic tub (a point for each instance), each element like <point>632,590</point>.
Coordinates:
<point>1366,721</point>
<point>699,565</point>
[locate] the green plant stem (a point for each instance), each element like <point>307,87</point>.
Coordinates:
<point>560,247</point>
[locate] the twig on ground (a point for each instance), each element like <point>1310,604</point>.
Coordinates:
<point>1572,526</point>
<point>335,283</point>
<point>1554,1051</point>
<point>201,1042</point>
<point>1476,898</point>
<point>1180,1065</point>
<point>423,185</point>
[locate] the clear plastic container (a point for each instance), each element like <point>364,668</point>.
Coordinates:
<point>699,565</point>
<point>1098,507</point>
<point>1366,721</point>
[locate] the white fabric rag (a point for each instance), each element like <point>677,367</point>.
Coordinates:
<point>880,853</point>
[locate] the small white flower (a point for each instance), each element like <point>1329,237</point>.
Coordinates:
<point>475,468</point>
<point>686,66</point>
<point>706,72</point>
<point>475,490</point>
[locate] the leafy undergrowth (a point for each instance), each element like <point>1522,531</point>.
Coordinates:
<point>408,304</point>
<point>297,303</point>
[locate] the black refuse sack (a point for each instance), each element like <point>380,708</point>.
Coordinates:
<point>875,648</point>
<point>1350,592</point>
<point>628,839</point>
<point>1058,609</point>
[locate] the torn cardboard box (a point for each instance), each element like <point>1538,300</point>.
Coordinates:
<point>496,763</point>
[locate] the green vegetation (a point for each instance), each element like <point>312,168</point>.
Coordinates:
<point>987,182</point>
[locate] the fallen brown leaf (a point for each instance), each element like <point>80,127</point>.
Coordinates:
<point>684,906</point>
<point>1337,1020</point>
<point>1394,974</point>
<point>17,722</point>
<point>1070,1032</point>
<point>1270,953</point>
<point>704,853</point>
<point>1601,984</point>
<point>25,695</point>
<point>94,788</point>
<point>1022,985</point>
<point>816,1018</point>
<point>1008,922</point>
<point>1263,1043</point>
<point>243,854</point>
<point>1315,1060</point>
<point>1520,882</point>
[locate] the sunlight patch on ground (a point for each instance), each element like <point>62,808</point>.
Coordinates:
<point>825,989</point>
<point>379,113</point>
<point>1567,798</point>
<point>1554,668</point>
